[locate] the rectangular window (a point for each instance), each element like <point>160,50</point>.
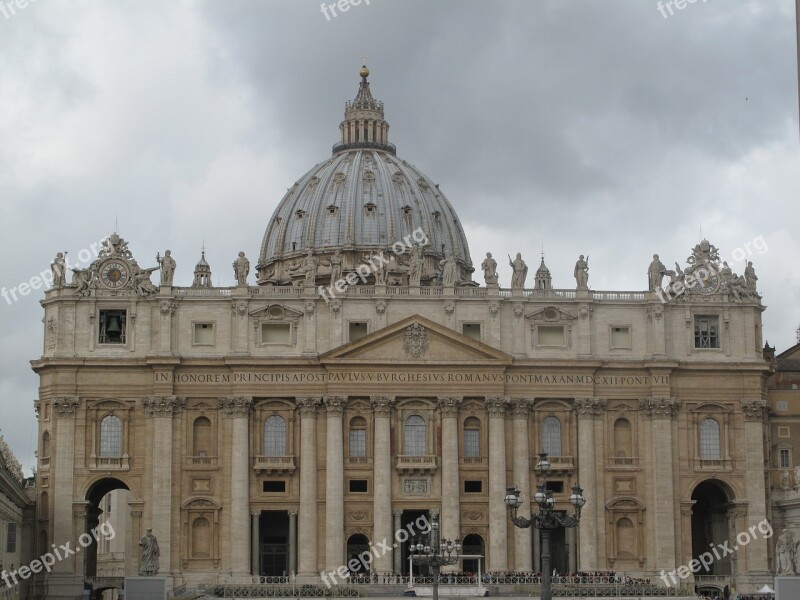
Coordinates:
<point>358,486</point>
<point>274,486</point>
<point>472,443</point>
<point>783,432</point>
<point>11,538</point>
<point>203,334</point>
<point>557,487</point>
<point>551,335</point>
<point>112,327</point>
<point>276,333</point>
<point>357,330</point>
<point>782,405</point>
<point>473,487</point>
<point>785,458</point>
<point>621,337</point>
<point>358,442</point>
<point>706,332</point>
<point>472,331</point>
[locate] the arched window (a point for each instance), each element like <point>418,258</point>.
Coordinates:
<point>623,439</point>
<point>551,436</point>
<point>358,437</point>
<point>472,437</point>
<point>709,439</point>
<point>46,444</point>
<point>111,437</point>
<point>201,538</point>
<point>626,540</point>
<point>275,436</point>
<point>201,437</point>
<point>415,436</point>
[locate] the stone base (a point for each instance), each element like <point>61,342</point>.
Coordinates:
<point>145,588</point>
<point>64,587</point>
<point>787,588</point>
<point>468,591</point>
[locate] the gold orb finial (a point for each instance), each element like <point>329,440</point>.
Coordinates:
<point>364,71</point>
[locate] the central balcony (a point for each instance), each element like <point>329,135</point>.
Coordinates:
<point>272,465</point>
<point>412,465</point>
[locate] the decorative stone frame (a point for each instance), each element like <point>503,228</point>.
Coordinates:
<point>722,416</point>
<point>611,327</point>
<point>426,409</point>
<point>614,412</point>
<point>275,313</point>
<point>346,332</point>
<point>474,408</point>
<point>778,448</point>
<point>195,343</point>
<point>563,411</point>
<point>625,508</point>
<point>482,324</point>
<point>95,413</point>
<point>723,324</point>
<point>126,306</point>
<point>192,510</point>
<point>355,409</point>
<point>549,316</point>
<point>192,413</point>
<point>264,408</point>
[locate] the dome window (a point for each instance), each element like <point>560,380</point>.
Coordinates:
<point>338,178</point>
<point>314,181</point>
<point>278,220</point>
<point>406,209</point>
<point>398,177</point>
<point>300,214</point>
<point>370,208</point>
<point>437,216</point>
<point>332,210</point>
<point>423,185</point>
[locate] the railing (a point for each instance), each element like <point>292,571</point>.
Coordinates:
<point>557,463</point>
<point>471,292</point>
<point>201,292</point>
<point>473,460</point>
<point>359,460</point>
<point>431,291</point>
<point>619,296</point>
<point>721,579</point>
<point>705,464</point>
<point>623,461</point>
<point>416,463</point>
<point>396,290</point>
<point>276,291</point>
<point>253,590</point>
<point>360,290</point>
<point>109,463</point>
<point>201,461</point>
<point>273,464</point>
<point>388,147</point>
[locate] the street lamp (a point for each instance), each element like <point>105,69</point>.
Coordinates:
<point>435,553</point>
<point>546,519</point>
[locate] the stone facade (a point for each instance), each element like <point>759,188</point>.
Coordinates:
<point>272,429</point>
<point>17,515</point>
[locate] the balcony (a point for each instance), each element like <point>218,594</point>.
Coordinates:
<point>713,465</point>
<point>109,463</point>
<point>359,461</point>
<point>473,461</point>
<point>558,464</point>
<point>273,465</point>
<point>201,462</point>
<point>416,464</point>
<point>623,463</point>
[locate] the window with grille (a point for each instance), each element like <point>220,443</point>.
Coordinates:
<point>274,436</point>
<point>415,436</point>
<point>551,436</point>
<point>472,438</point>
<point>709,440</point>
<point>110,437</point>
<point>785,458</point>
<point>11,538</point>
<point>706,332</point>
<point>358,437</point>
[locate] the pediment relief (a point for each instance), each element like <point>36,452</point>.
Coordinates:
<point>552,405</point>
<point>275,404</point>
<point>417,339</point>
<point>710,408</point>
<point>551,314</point>
<point>110,404</point>
<point>203,407</point>
<point>625,503</point>
<point>276,312</point>
<point>201,504</point>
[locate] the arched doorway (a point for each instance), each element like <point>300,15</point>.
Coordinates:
<point>107,501</point>
<point>356,544</point>
<point>711,526</point>
<point>472,545</point>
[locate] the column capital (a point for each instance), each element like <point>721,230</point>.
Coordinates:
<point>398,513</point>
<point>163,406</point>
<point>382,405</point>
<point>590,407</point>
<point>236,406</point>
<point>496,406</point>
<point>449,405</point>
<point>660,408</point>
<point>334,405</point>
<point>292,513</point>
<point>66,406</point>
<point>308,406</point>
<point>520,407</point>
<point>754,410</point>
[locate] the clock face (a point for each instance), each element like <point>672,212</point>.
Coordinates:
<point>114,274</point>
<point>706,279</point>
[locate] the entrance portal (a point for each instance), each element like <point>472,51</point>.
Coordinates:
<point>409,518</point>
<point>273,528</point>
<point>710,523</point>
<point>472,544</point>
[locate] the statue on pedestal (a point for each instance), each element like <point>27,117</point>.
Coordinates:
<point>581,273</point>
<point>148,562</point>
<point>786,553</point>
<point>520,271</point>
<point>449,270</point>
<point>336,266</point>
<point>750,276</point>
<point>241,267</point>
<point>415,266</point>
<point>489,266</point>
<point>655,273</point>
<point>59,270</point>
<point>167,264</point>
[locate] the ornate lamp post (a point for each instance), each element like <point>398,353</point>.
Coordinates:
<point>435,553</point>
<point>546,519</point>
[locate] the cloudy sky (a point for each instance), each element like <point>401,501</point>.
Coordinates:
<point>600,128</point>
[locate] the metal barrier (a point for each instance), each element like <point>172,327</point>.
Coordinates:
<point>250,590</point>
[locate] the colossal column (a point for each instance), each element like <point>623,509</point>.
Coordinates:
<point>523,559</point>
<point>161,409</point>
<point>755,412</point>
<point>237,409</point>
<point>661,412</point>
<point>588,409</point>
<point>451,506</point>
<point>334,489</point>
<point>498,520</point>
<point>64,410</point>
<point>307,527</point>
<point>382,479</point>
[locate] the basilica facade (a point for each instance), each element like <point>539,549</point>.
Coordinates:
<point>360,377</point>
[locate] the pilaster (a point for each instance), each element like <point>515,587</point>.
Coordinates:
<point>498,520</point>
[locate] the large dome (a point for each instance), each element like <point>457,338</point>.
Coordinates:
<point>361,201</point>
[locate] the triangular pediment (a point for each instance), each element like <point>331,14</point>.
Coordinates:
<point>416,340</point>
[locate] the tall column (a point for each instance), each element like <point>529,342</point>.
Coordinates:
<point>255,544</point>
<point>292,542</point>
<point>334,488</point>
<point>307,531</point>
<point>382,479</point>
<point>755,412</point>
<point>523,560</point>
<point>661,412</point>
<point>451,505</point>
<point>498,520</point>
<point>161,409</point>
<point>398,552</point>
<point>588,409</point>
